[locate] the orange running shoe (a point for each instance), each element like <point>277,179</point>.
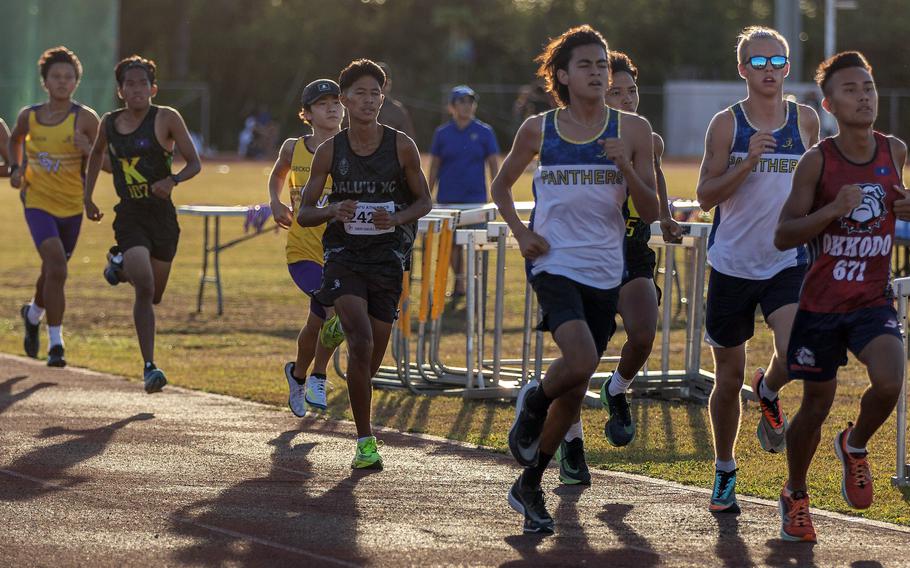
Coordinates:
<point>795,521</point>
<point>856,482</point>
<point>772,426</point>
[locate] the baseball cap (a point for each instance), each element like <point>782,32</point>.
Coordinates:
<point>462,91</point>
<point>318,89</point>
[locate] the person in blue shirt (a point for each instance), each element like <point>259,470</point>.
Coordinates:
<point>461,148</point>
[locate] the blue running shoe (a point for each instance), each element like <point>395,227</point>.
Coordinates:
<point>723,498</point>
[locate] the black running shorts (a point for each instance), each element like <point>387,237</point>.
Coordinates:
<point>153,226</point>
<point>381,292</point>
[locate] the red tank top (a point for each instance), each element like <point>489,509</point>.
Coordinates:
<point>851,259</point>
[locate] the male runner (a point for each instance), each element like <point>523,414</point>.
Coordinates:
<point>751,151</point>
<point>57,136</point>
<point>574,244</point>
<point>140,139</point>
<point>638,295</point>
<point>322,111</point>
<point>847,192</point>
<point>378,194</point>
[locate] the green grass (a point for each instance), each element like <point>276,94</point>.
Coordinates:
<point>242,352</point>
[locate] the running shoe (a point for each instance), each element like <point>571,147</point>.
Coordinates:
<point>367,456</point>
<point>572,467</point>
<point>331,335</point>
<point>856,480</point>
<point>530,503</point>
<point>154,379</point>
<point>772,426</point>
<point>32,341</point>
<point>524,436</point>
<point>619,429</point>
<point>113,272</point>
<point>723,498</point>
<point>55,356</point>
<point>795,520</point>
<point>296,391</point>
<point>315,392</point>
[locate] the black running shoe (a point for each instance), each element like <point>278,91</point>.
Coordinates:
<point>113,272</point>
<point>530,503</point>
<point>32,342</point>
<point>619,429</point>
<point>524,436</point>
<point>55,356</point>
<point>572,467</point>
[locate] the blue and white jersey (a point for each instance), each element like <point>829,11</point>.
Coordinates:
<point>578,199</point>
<point>742,237</point>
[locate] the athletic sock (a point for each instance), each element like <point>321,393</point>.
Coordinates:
<point>852,450</point>
<point>149,365</point>
<point>532,476</point>
<point>35,313</point>
<point>318,375</point>
<point>537,401</point>
<point>619,385</point>
<point>575,431</point>
<point>55,335</point>
<point>764,391</point>
<point>364,439</point>
<point>726,466</point>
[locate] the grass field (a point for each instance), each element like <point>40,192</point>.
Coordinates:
<point>242,352</point>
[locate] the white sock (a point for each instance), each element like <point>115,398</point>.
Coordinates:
<point>852,450</point>
<point>764,391</point>
<point>725,465</point>
<point>364,439</point>
<point>575,431</point>
<point>618,384</point>
<point>34,314</point>
<point>55,335</point>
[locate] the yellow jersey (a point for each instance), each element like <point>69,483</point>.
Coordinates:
<point>304,243</point>
<point>54,168</point>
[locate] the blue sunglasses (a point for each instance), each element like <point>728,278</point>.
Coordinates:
<point>760,61</point>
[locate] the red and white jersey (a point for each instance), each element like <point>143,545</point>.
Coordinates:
<point>851,259</point>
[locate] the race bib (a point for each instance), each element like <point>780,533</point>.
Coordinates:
<point>362,223</point>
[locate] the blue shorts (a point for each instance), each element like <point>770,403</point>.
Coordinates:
<point>43,226</point>
<point>819,341</point>
<point>307,275</point>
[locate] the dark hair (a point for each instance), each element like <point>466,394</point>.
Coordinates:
<point>360,68</point>
<point>620,62</point>
<point>835,63</point>
<point>59,54</point>
<point>133,62</point>
<point>558,52</point>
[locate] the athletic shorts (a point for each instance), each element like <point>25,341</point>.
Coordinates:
<point>730,317</point>
<point>381,292</point>
<point>641,261</point>
<point>562,299</point>
<point>819,341</point>
<point>151,226</point>
<point>42,225</point>
<point>307,275</point>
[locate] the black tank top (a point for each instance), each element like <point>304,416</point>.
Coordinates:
<point>137,160</point>
<point>377,178</point>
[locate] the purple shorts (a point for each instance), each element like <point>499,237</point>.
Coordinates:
<point>44,226</point>
<point>307,276</point>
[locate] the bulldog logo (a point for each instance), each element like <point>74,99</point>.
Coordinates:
<point>869,214</point>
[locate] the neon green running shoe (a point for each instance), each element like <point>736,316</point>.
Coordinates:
<point>367,456</point>
<point>331,335</point>
<point>572,467</point>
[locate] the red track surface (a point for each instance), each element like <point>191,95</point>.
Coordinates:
<point>95,472</point>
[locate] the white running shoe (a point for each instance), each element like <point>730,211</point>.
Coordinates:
<point>296,392</point>
<point>315,392</point>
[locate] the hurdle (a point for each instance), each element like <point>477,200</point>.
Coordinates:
<point>901,476</point>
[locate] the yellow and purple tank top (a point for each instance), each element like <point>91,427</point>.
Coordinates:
<point>304,243</point>
<point>54,170</point>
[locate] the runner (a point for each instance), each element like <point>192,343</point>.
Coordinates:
<point>140,140</point>
<point>574,244</point>
<point>751,150</point>
<point>379,193</point>
<point>847,192</point>
<point>56,136</point>
<point>322,111</point>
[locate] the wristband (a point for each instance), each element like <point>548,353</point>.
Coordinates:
<point>175,179</point>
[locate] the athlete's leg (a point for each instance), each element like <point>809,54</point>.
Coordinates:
<point>138,266</point>
<point>805,429</point>
<point>161,271</point>
<point>307,346</point>
<point>638,309</point>
<point>53,279</point>
<point>458,268</point>
<point>381,333</point>
<point>724,402</point>
<point>781,324</point>
<point>883,357</point>
<point>352,311</point>
<point>38,298</point>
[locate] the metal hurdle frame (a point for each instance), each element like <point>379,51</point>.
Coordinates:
<point>901,477</point>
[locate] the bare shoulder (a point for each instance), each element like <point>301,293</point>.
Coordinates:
<point>658,143</point>
<point>898,150</point>
<point>87,112</point>
<point>634,123</point>
<point>806,112</point>
<point>812,160</point>
<point>287,148</point>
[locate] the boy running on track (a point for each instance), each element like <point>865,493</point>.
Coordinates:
<point>379,192</point>
<point>847,192</point>
<point>323,112</point>
<point>751,151</point>
<point>56,136</point>
<point>590,157</point>
<point>140,139</point>
<point>638,296</point>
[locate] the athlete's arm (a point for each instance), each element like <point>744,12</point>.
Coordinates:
<point>84,137</point>
<point>809,125</point>
<point>177,131</point>
<point>796,225</point>
<point>310,215</point>
<point>4,149</point>
<point>668,226</point>
<point>95,160</point>
<point>633,154</point>
<point>280,211</point>
<point>15,147</point>
<point>434,173</point>
<point>717,182</point>
<point>899,155</point>
<point>524,148</point>
<point>493,166</point>
<point>409,158</point>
